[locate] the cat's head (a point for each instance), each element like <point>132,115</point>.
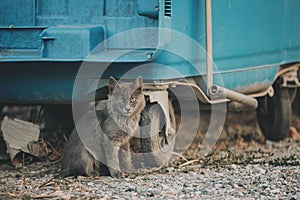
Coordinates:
<point>126,98</point>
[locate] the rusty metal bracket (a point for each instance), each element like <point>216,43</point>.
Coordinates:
<point>289,75</point>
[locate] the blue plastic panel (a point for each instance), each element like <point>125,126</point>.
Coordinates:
<point>255,33</point>
<point>64,42</point>
<point>20,43</point>
<point>21,20</point>
<point>17,13</point>
<point>251,39</point>
<point>148,8</point>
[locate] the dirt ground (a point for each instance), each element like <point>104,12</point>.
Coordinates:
<point>240,147</point>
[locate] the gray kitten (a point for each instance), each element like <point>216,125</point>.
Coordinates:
<point>118,121</point>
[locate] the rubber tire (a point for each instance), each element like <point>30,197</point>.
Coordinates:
<point>296,104</point>
<point>274,114</point>
<point>152,142</point>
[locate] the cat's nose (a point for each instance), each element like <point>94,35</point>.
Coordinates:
<point>127,107</point>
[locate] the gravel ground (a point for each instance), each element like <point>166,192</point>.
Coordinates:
<point>242,166</point>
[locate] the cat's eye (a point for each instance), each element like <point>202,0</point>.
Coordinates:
<point>133,100</point>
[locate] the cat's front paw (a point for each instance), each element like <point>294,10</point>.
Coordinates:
<point>115,173</point>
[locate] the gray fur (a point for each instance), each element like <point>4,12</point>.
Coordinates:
<point>118,121</point>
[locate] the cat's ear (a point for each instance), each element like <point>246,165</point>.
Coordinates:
<point>138,85</point>
<point>112,83</point>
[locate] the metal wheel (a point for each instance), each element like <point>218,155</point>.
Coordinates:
<point>274,114</point>
<point>155,145</point>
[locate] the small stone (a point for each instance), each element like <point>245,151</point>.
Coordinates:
<point>106,197</point>
<point>129,188</point>
<point>139,190</point>
<point>90,184</point>
<point>233,166</point>
<point>206,190</point>
<point>275,191</point>
<point>150,194</point>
